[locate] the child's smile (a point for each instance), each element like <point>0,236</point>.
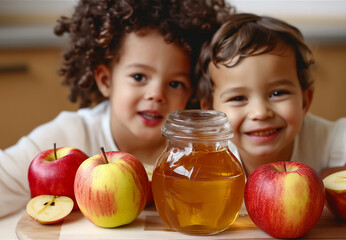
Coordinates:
<point>151,118</point>
<point>265,135</point>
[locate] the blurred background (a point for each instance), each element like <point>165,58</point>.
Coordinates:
<point>30,54</point>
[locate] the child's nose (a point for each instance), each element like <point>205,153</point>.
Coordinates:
<point>260,110</point>
<point>155,93</point>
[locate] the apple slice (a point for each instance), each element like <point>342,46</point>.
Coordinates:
<point>49,209</point>
<point>335,185</point>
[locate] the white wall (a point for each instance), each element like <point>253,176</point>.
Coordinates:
<point>319,20</point>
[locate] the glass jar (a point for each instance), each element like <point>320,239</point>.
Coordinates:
<point>198,184</point>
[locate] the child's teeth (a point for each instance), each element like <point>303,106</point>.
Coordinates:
<point>264,132</point>
<point>150,116</point>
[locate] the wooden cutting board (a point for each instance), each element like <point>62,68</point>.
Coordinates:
<point>150,226</point>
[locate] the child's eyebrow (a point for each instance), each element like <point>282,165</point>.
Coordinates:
<point>232,90</point>
<point>152,69</point>
<point>282,82</point>
<point>140,65</point>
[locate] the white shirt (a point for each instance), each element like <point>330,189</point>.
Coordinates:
<point>87,129</point>
<point>321,143</point>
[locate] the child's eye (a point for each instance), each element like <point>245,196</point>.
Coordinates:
<point>278,93</point>
<point>176,84</point>
<point>139,77</point>
<point>237,99</point>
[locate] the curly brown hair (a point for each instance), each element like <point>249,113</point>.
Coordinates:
<point>247,35</point>
<point>97,27</point>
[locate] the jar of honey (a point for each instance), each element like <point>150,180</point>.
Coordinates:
<point>198,184</point>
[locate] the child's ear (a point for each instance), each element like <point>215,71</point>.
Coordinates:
<point>103,80</point>
<point>307,98</point>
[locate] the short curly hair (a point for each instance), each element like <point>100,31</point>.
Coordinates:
<point>247,35</point>
<point>97,27</point>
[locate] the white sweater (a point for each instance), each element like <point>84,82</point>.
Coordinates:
<point>321,143</point>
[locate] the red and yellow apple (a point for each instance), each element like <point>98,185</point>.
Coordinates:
<point>52,172</point>
<point>49,209</point>
<point>335,185</point>
<point>111,188</point>
<point>284,199</point>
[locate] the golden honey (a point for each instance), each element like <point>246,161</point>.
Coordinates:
<point>198,184</point>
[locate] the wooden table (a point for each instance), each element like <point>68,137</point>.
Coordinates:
<point>150,226</point>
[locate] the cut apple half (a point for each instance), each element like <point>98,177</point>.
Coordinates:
<point>336,181</point>
<point>335,185</point>
<point>49,209</point>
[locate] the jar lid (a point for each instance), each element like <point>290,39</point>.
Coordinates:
<point>197,125</point>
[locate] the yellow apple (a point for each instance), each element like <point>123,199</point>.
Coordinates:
<point>49,209</point>
<point>111,188</point>
<point>335,185</point>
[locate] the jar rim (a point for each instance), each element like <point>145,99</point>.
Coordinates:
<point>197,125</point>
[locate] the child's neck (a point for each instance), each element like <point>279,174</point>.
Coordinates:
<point>146,153</point>
<point>148,157</point>
<point>250,162</point>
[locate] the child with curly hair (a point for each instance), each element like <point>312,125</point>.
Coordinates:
<point>128,65</point>
<point>256,69</point>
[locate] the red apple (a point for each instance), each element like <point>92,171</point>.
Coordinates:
<point>111,188</point>
<point>284,199</point>
<point>52,172</point>
<point>49,209</point>
<point>335,185</point>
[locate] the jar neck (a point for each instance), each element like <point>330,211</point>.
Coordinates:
<point>197,126</point>
<point>197,145</point>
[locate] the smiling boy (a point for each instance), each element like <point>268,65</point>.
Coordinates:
<point>256,70</point>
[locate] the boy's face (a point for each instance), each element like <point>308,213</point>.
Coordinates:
<point>264,101</point>
<point>151,79</point>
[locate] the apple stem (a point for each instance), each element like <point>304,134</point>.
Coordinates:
<point>56,157</point>
<point>104,154</point>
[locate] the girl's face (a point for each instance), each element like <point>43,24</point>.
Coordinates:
<point>151,79</point>
<point>265,103</point>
